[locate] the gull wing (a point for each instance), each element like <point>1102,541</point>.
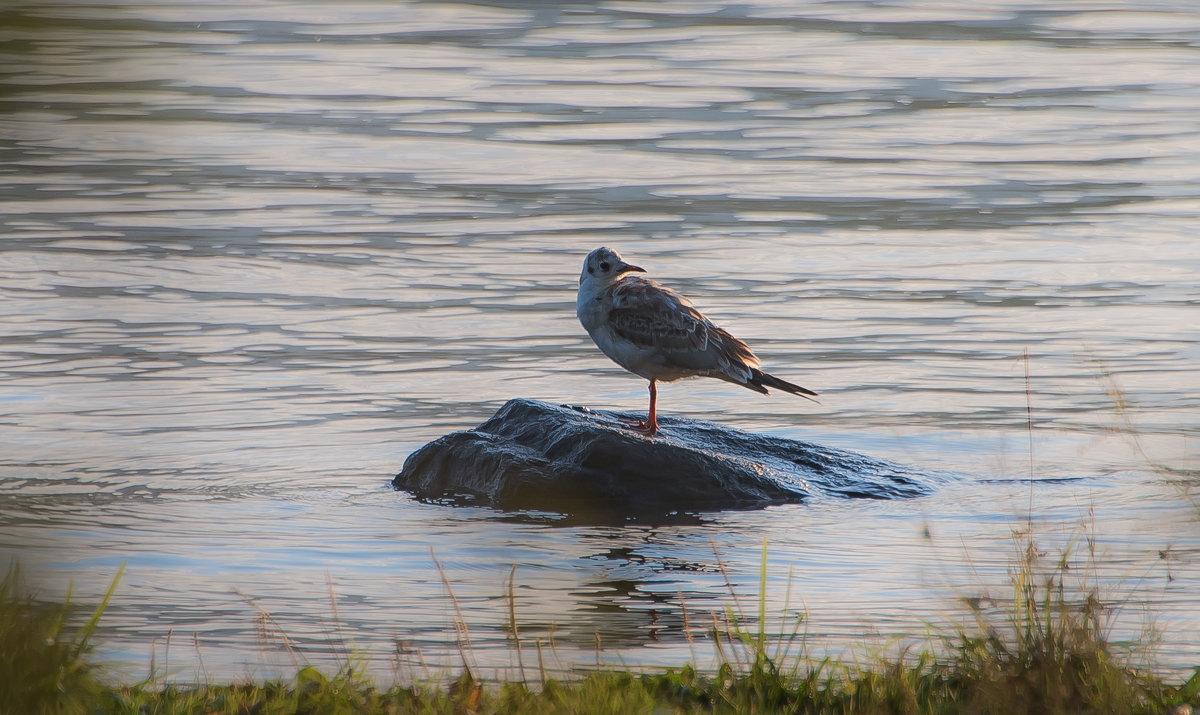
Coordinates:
<point>654,317</point>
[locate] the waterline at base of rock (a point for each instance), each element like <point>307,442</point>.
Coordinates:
<point>574,461</point>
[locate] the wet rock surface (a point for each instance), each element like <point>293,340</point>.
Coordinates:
<point>536,456</point>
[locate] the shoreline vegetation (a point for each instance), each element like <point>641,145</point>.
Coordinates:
<point>1045,648</point>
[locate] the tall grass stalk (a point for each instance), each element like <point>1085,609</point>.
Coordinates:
<point>513,630</point>
<point>462,634</point>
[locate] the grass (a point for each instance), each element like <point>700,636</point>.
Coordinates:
<point>1045,649</point>
<point>1050,651</point>
<point>45,666</point>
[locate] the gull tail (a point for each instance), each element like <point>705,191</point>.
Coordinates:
<point>760,381</point>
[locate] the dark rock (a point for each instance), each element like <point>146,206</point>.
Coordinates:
<point>534,456</point>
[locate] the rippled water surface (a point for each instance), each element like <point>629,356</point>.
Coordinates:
<point>256,253</point>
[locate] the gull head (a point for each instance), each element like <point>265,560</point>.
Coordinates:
<point>604,266</point>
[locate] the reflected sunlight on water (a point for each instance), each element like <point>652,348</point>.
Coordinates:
<point>256,253</point>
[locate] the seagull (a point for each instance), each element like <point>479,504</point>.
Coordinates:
<point>655,333</point>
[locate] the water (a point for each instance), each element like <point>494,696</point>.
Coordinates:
<point>255,253</point>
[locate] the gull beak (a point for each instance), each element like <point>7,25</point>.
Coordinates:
<point>626,268</point>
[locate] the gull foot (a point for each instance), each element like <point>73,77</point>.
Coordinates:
<point>641,426</point>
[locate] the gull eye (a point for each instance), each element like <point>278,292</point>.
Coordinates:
<point>605,266</point>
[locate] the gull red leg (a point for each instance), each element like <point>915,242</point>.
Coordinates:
<point>648,426</point>
<point>652,418</point>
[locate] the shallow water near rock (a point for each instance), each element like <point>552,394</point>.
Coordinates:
<point>255,255</point>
